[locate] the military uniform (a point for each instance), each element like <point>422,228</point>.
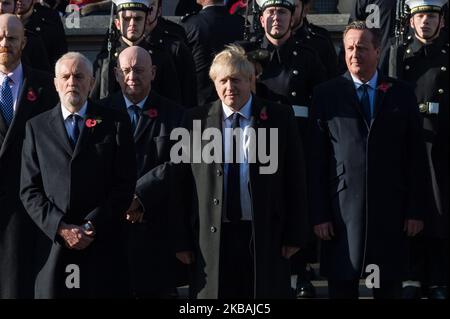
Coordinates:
<point>166,81</point>
<point>173,29</point>
<point>47,24</point>
<point>293,71</point>
<point>208,32</point>
<point>187,7</point>
<point>323,46</point>
<point>183,61</point>
<point>426,66</point>
<point>35,54</point>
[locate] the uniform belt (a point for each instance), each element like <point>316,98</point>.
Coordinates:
<point>300,111</point>
<point>429,107</point>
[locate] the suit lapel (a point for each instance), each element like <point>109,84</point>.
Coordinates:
<point>86,132</point>
<point>380,95</point>
<point>146,119</point>
<point>255,123</point>
<point>56,125</point>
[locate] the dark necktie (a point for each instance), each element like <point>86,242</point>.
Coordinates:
<point>136,110</point>
<point>234,212</point>
<point>6,101</point>
<point>75,128</point>
<point>365,103</point>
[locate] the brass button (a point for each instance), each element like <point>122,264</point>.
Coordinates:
<point>295,72</point>
<point>308,37</point>
<point>443,68</point>
<point>407,67</point>
<point>408,51</point>
<point>443,51</point>
<point>213,229</point>
<point>423,108</point>
<point>294,93</point>
<point>38,29</point>
<point>216,201</point>
<point>440,91</point>
<point>294,53</point>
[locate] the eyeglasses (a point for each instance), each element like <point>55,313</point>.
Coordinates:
<point>137,71</point>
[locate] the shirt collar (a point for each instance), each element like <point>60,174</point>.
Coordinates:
<point>16,75</point>
<point>245,111</point>
<point>81,112</point>
<point>128,103</point>
<point>212,5</point>
<point>372,83</point>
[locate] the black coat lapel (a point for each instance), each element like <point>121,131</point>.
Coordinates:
<point>260,119</point>
<point>151,113</point>
<point>350,93</point>
<point>56,125</point>
<point>86,131</point>
<point>383,85</point>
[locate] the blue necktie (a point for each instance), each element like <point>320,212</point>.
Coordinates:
<point>75,128</point>
<point>365,103</point>
<point>234,211</point>
<point>6,101</point>
<point>136,110</point>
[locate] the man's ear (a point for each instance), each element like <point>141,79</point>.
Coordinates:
<point>153,71</point>
<point>411,22</point>
<point>91,86</point>
<point>117,24</point>
<point>261,21</point>
<point>116,73</point>
<point>24,42</point>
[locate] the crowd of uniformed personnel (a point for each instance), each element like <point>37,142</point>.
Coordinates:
<point>291,58</point>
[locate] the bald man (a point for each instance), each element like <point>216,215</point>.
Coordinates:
<point>151,259</point>
<point>24,93</point>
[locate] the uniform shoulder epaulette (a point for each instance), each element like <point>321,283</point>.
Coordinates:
<point>187,16</point>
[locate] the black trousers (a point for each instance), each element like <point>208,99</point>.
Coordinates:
<point>428,261</point>
<point>236,261</point>
<point>349,289</point>
<point>436,262</point>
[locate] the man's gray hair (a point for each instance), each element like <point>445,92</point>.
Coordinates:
<point>75,56</point>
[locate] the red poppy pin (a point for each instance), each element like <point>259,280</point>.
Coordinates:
<point>384,86</point>
<point>31,95</point>
<point>263,114</point>
<point>152,113</point>
<point>91,122</point>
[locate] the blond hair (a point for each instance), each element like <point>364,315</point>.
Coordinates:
<point>233,60</point>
